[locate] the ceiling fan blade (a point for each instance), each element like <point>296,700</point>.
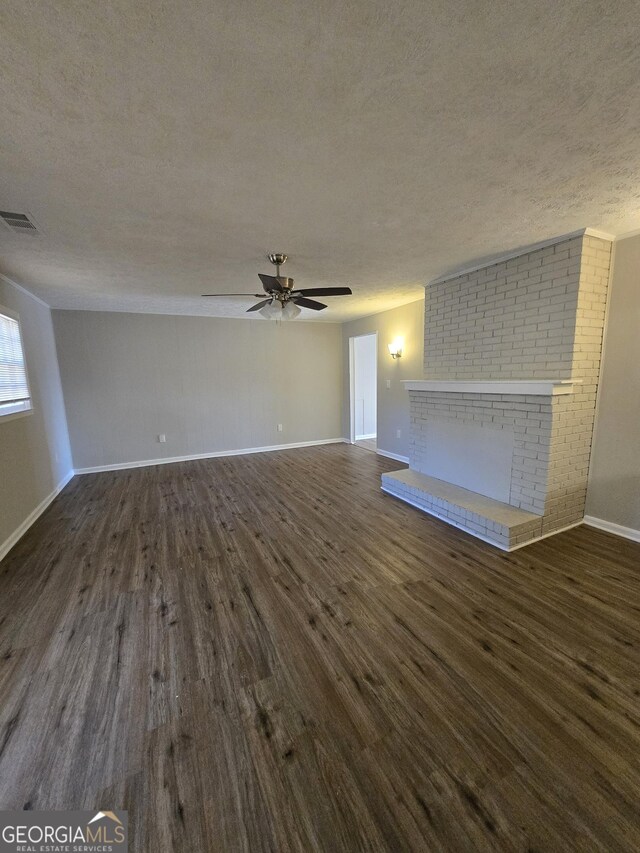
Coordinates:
<point>248,295</point>
<point>270,282</point>
<point>325,291</point>
<point>309,303</point>
<point>259,305</point>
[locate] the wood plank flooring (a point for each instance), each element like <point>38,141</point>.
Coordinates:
<point>266,653</point>
<point>367,444</point>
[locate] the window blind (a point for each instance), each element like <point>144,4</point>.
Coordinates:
<point>14,390</point>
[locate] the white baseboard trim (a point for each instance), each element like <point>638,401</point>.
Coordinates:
<point>610,527</point>
<point>123,466</point>
<point>33,516</point>
<point>395,456</point>
<point>366,437</point>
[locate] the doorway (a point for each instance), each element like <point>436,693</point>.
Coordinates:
<point>363,357</point>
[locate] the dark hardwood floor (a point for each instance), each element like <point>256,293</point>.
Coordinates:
<point>268,653</point>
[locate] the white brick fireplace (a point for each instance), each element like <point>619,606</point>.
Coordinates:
<point>501,427</point>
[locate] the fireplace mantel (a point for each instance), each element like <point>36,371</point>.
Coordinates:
<point>532,387</point>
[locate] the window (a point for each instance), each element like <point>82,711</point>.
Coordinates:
<point>14,387</point>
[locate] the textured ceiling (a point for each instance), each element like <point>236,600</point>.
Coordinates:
<point>164,148</point>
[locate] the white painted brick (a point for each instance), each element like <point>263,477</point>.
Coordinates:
<point>536,316</point>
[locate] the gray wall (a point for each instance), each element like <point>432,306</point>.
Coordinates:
<point>393,403</point>
<point>614,481</point>
<point>34,450</point>
<point>209,384</point>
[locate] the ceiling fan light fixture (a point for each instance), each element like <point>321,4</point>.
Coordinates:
<point>273,310</point>
<point>290,310</point>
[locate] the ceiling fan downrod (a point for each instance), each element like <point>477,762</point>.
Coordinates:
<point>277,259</point>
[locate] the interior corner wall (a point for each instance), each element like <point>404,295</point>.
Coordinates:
<point>406,322</point>
<point>35,457</point>
<point>613,494</point>
<point>210,385</point>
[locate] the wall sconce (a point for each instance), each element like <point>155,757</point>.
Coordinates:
<point>395,348</point>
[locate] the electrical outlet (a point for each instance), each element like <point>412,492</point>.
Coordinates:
<point>279,427</point>
<point>388,383</point>
<point>162,438</point>
<point>398,433</point>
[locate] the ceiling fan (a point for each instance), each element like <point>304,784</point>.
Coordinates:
<point>282,300</point>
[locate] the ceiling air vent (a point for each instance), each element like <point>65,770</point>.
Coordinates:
<point>18,222</point>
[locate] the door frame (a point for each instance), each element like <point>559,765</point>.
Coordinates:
<point>352,383</point>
